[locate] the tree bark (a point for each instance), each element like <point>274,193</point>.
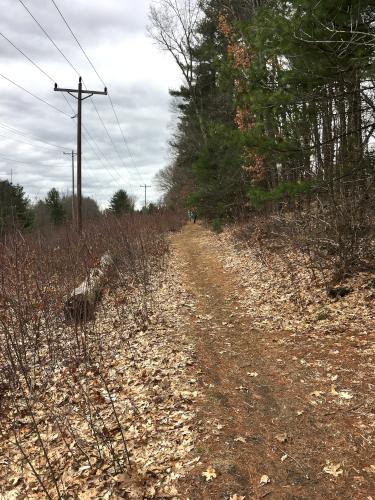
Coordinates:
<point>80,305</point>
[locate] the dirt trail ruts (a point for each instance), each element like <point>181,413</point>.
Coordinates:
<point>251,414</point>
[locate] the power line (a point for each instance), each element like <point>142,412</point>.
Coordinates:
<point>92,139</point>
<point>33,95</point>
<point>80,93</point>
<point>44,72</point>
<point>86,132</point>
<point>79,45</point>
<point>14,130</point>
<point>102,81</point>
<point>145,186</point>
<point>101,161</point>
<point>22,141</point>
<point>32,62</point>
<point>123,135</point>
<point>95,142</point>
<point>54,146</point>
<point>19,132</point>
<point>77,72</point>
<point>72,154</point>
<point>109,135</point>
<point>27,57</point>
<point>6,158</point>
<point>48,36</point>
<point>69,62</point>
<point>63,95</point>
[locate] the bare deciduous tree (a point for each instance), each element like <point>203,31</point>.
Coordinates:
<point>174,27</point>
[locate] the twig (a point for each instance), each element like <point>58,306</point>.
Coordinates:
<point>294,460</point>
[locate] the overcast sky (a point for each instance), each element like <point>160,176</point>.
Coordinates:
<point>137,74</point>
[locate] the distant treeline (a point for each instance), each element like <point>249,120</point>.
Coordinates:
<point>17,212</point>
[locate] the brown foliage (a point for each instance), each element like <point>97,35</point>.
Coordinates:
<point>55,379</point>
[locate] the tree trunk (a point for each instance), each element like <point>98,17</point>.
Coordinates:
<point>80,306</point>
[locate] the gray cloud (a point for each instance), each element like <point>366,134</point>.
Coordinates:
<point>138,78</point>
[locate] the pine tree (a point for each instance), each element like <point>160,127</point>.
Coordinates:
<point>55,207</point>
<point>15,208</point>
<point>284,93</point>
<point>121,203</point>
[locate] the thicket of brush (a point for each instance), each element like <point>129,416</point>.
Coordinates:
<point>55,377</point>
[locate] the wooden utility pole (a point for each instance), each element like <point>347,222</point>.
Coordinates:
<point>145,186</point>
<point>79,98</point>
<point>73,200</point>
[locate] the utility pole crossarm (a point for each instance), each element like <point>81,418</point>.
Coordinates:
<point>72,91</point>
<point>76,91</point>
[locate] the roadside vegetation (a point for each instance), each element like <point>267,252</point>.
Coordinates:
<point>17,212</point>
<point>239,359</point>
<point>62,418</point>
<point>276,121</point>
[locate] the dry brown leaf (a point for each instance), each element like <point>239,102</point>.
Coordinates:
<point>370,469</point>
<point>264,480</point>
<point>341,394</point>
<point>240,439</point>
<point>333,469</point>
<point>281,437</point>
<point>209,474</point>
<point>345,395</point>
<point>171,490</point>
<point>242,388</point>
<point>316,394</point>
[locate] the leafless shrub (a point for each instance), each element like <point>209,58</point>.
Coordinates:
<point>55,379</point>
<point>333,239</point>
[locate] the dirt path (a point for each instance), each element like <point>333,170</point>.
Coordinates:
<point>255,421</point>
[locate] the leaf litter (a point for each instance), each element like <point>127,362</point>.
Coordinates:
<point>148,382</point>
<point>282,302</point>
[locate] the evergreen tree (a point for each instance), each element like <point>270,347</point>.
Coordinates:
<point>14,207</point>
<point>42,218</point>
<point>206,171</point>
<point>283,90</point>
<point>301,97</point>
<point>90,208</point>
<point>121,203</point>
<point>55,207</point>
<point>152,208</point>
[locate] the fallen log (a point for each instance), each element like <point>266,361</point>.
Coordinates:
<point>80,305</point>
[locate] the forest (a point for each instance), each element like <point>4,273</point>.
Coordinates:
<point>275,119</point>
